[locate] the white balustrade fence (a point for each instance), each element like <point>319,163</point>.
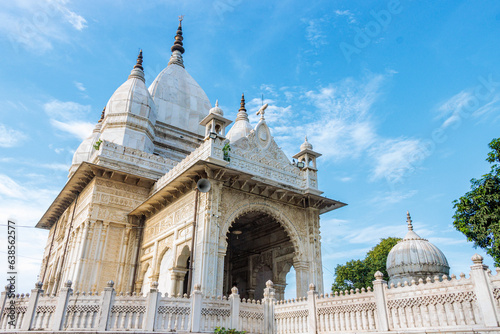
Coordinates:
<point>435,305</point>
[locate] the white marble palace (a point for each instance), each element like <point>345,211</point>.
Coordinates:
<point>131,213</point>
<point>172,222</point>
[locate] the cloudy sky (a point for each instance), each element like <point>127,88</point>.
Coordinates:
<point>401,98</point>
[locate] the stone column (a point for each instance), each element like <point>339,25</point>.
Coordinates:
<point>59,316</point>
<point>483,291</point>
<point>30,312</point>
<point>379,288</point>
<point>268,302</point>
<point>235,300</point>
<point>302,277</point>
<point>81,254</point>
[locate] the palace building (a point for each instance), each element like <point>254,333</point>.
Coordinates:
<point>165,190</point>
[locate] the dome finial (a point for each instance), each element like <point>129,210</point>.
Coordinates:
<point>178,38</point>
<point>242,103</point>
<point>138,71</point>
<point>408,220</point>
<point>177,49</point>
<point>139,61</point>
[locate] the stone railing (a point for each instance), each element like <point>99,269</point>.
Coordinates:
<point>439,305</point>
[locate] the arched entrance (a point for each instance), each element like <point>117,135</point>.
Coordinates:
<point>258,249</point>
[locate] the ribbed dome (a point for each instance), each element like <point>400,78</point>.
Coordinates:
<point>133,97</point>
<point>130,115</point>
<point>413,258</point>
<point>180,100</point>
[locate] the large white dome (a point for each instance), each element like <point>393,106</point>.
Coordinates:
<point>180,100</point>
<point>414,258</point>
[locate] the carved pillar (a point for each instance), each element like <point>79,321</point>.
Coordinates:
<point>122,259</point>
<point>100,255</point>
<point>208,239</point>
<point>280,290</point>
<point>302,277</point>
<point>82,254</point>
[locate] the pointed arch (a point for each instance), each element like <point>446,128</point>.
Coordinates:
<point>279,216</point>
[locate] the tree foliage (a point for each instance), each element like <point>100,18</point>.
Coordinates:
<point>357,274</point>
<point>477,213</point>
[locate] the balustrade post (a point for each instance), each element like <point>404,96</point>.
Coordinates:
<point>268,301</point>
<point>483,291</point>
<point>379,288</point>
<point>312,323</point>
<point>62,304</point>
<point>235,300</point>
<point>31,310</point>
<point>106,302</point>
<point>151,307</point>
<point>196,304</point>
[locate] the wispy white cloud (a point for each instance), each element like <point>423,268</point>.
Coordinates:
<point>396,157</point>
<point>392,197</point>
<point>315,33</point>
<point>346,13</point>
<point>69,117</point>
<point>467,104</point>
<point>79,86</point>
<point>36,25</point>
<point>340,123</point>
<point>10,137</point>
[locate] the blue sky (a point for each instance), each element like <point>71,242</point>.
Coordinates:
<point>401,98</point>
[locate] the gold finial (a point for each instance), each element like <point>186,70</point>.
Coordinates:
<point>139,61</point>
<point>408,220</point>
<point>242,103</point>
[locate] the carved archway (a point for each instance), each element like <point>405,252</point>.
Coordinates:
<point>257,237</point>
<point>278,215</point>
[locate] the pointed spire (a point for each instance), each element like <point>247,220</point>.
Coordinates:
<point>217,102</point>
<point>139,61</point>
<point>177,49</point>
<point>138,70</point>
<point>242,103</point>
<point>178,38</point>
<point>408,220</point>
<point>242,112</point>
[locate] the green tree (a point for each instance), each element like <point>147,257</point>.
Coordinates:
<point>357,274</point>
<point>477,213</point>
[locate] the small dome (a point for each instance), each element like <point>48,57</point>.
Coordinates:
<point>133,97</point>
<point>216,110</point>
<point>242,126</point>
<point>86,149</point>
<point>306,145</point>
<point>414,258</point>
